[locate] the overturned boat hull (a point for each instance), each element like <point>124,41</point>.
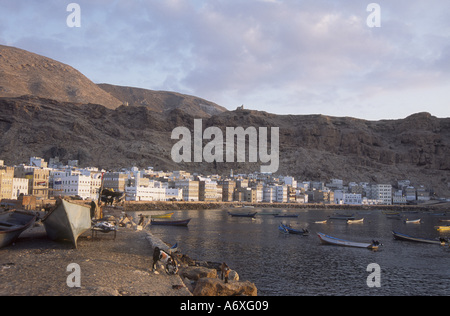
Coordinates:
<point>67,221</point>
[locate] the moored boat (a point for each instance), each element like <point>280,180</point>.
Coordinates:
<point>182,223</point>
<point>443,228</point>
<point>12,224</point>
<point>168,215</point>
<point>404,237</point>
<point>414,221</point>
<point>67,221</point>
<point>242,214</point>
<point>320,222</point>
<point>294,231</point>
<point>355,221</point>
<point>329,240</point>
<point>286,215</point>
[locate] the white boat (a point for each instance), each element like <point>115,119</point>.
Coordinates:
<point>355,221</point>
<point>329,240</point>
<point>415,221</point>
<point>320,222</point>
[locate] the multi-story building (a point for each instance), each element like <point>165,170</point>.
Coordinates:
<point>6,182</point>
<point>382,193</point>
<point>115,180</point>
<point>228,187</point>
<point>208,191</point>
<point>72,183</point>
<point>38,179</point>
<point>190,189</point>
<point>19,186</point>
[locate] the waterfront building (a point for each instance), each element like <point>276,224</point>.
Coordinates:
<point>72,183</point>
<point>382,192</point>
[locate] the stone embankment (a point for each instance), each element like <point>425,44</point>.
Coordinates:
<point>169,206</point>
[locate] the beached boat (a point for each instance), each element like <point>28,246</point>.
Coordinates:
<point>294,231</point>
<point>414,221</point>
<point>242,214</point>
<point>400,236</point>
<point>12,224</point>
<point>168,215</point>
<point>67,221</point>
<point>329,240</point>
<point>355,221</point>
<point>182,223</point>
<point>443,228</point>
<point>286,215</point>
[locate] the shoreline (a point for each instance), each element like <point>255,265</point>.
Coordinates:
<point>183,205</point>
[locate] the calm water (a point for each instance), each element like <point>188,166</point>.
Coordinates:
<point>296,265</point>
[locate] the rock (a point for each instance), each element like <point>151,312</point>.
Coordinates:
<point>196,273</point>
<point>233,276</point>
<point>216,287</point>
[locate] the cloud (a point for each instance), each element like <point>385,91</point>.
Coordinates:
<point>284,56</point>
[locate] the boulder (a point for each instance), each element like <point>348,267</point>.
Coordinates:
<point>216,287</point>
<point>195,273</point>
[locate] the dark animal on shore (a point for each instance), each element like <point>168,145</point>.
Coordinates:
<point>224,272</point>
<point>170,265</point>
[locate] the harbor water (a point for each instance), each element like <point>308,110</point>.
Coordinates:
<point>294,265</point>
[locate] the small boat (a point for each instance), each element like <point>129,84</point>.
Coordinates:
<point>12,224</point>
<point>415,221</point>
<point>320,222</point>
<point>282,229</point>
<point>390,213</point>
<point>168,215</point>
<point>343,217</point>
<point>182,223</point>
<point>242,214</point>
<point>286,215</point>
<point>67,221</point>
<point>291,230</point>
<point>269,213</point>
<point>355,221</point>
<point>400,236</point>
<point>444,220</point>
<point>345,243</point>
<point>443,228</point>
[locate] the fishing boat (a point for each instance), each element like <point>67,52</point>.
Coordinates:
<point>343,217</point>
<point>415,221</point>
<point>242,214</point>
<point>67,221</point>
<point>355,221</point>
<point>181,223</point>
<point>329,240</point>
<point>268,213</point>
<point>282,229</point>
<point>168,215</point>
<point>400,236</point>
<point>294,231</point>
<point>444,220</point>
<point>12,224</point>
<point>443,228</point>
<point>320,222</point>
<point>286,215</point>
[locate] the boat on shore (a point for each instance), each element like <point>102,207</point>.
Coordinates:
<point>329,240</point>
<point>414,221</point>
<point>404,237</point>
<point>242,214</point>
<point>168,215</point>
<point>67,221</point>
<point>12,224</point>
<point>355,221</point>
<point>180,223</point>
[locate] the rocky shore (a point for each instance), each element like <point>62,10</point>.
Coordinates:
<point>36,266</point>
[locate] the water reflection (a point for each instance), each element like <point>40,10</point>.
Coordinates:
<point>295,265</point>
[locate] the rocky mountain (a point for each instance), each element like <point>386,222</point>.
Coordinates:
<point>312,147</point>
<point>25,73</point>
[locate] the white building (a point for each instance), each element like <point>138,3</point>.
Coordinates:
<point>347,198</point>
<point>275,193</point>
<point>382,192</point>
<point>73,183</point>
<point>398,197</point>
<point>19,186</point>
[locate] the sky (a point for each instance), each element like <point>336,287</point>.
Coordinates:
<point>280,56</point>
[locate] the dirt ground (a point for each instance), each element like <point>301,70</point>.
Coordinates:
<point>37,266</point>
